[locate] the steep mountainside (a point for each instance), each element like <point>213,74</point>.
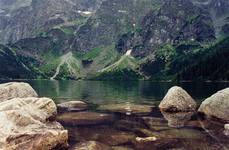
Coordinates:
<point>219,12</point>
<point>175,22</point>
<point>27,18</point>
<point>11,66</point>
<point>112,39</point>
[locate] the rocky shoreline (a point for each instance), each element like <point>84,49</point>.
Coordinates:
<point>30,122</point>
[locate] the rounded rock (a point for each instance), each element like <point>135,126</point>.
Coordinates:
<point>217,106</point>
<point>177,100</point>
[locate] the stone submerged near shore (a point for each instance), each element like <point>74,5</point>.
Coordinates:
<point>27,122</point>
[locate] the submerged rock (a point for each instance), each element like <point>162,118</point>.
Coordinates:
<point>72,106</point>
<point>153,143</point>
<point>91,145</point>
<point>16,90</point>
<point>116,138</point>
<point>26,123</point>
<point>156,124</point>
<point>183,133</point>
<point>121,148</point>
<point>84,118</point>
<point>127,108</point>
<point>177,100</point>
<point>177,120</point>
<point>217,105</point>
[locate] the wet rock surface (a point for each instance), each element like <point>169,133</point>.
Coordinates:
<point>177,100</point>
<point>84,118</point>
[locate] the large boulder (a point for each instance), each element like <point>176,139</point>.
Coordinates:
<point>16,89</point>
<point>28,123</point>
<point>217,106</point>
<point>177,100</point>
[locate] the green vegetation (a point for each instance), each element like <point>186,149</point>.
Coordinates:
<point>190,61</point>
<point>126,68</point>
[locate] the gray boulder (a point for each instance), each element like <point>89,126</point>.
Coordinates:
<point>177,100</point>
<point>217,106</point>
<point>27,123</point>
<point>16,90</point>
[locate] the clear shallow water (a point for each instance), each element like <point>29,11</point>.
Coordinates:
<point>132,91</point>
<point>131,132</point>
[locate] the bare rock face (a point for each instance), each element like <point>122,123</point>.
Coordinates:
<point>177,100</point>
<point>16,89</point>
<point>217,105</point>
<point>26,123</point>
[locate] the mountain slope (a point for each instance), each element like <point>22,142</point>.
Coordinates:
<point>12,67</point>
<point>126,68</point>
<point>28,18</point>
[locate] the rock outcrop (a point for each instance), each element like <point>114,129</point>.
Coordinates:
<point>217,106</point>
<point>16,90</point>
<point>27,123</point>
<point>177,100</point>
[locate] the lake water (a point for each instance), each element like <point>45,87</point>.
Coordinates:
<point>132,91</point>
<point>127,123</point>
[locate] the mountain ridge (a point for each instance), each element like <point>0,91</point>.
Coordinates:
<point>99,33</point>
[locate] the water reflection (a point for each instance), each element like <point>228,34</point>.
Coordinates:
<point>131,91</point>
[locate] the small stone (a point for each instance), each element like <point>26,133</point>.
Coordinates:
<point>226,127</point>
<point>147,139</point>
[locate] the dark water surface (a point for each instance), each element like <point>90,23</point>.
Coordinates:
<point>132,91</point>
<point>130,131</point>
